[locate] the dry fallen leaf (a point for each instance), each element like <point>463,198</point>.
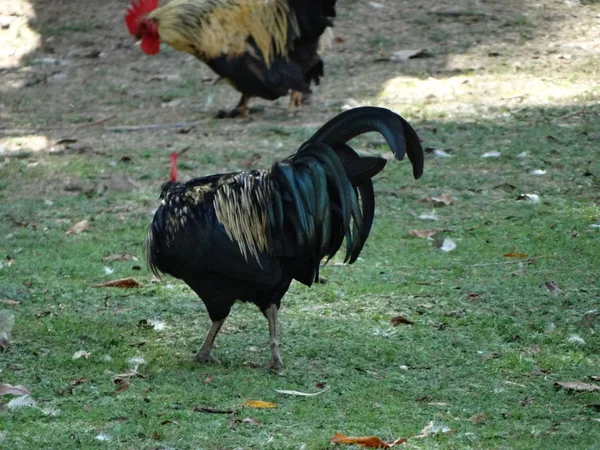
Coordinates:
<point>79,227</point>
<point>119,257</point>
<point>425,234</point>
<point>24,401</point>
<point>126,283</point>
<point>403,55</point>
<point>209,379</point>
<point>589,318</point>
<point>515,255</point>
<point>8,389</point>
<point>434,428</point>
<point>123,386</point>
<point>259,404</point>
<point>576,386</point>
<point>552,286</point>
<point>447,245</point>
<point>472,295</point>
<point>9,302</point>
<point>441,200</point>
<point>478,418</point>
<point>400,319</point>
<point>365,441</point>
<point>298,393</point>
<point>7,321</point>
<point>533,198</point>
<point>80,354</point>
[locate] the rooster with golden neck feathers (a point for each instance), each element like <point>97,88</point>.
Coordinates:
<point>247,235</point>
<point>263,48</point>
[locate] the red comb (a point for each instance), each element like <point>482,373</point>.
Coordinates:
<point>136,11</point>
<point>173,175</point>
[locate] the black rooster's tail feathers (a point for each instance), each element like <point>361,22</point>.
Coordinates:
<point>398,133</point>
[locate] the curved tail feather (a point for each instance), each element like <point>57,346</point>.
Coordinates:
<point>398,133</point>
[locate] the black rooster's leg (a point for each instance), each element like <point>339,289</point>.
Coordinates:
<point>204,354</point>
<point>241,110</point>
<point>296,100</point>
<point>271,314</point>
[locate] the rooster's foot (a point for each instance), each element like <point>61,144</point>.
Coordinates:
<point>222,114</point>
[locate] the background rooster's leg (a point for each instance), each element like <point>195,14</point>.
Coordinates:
<point>241,110</point>
<point>271,314</point>
<point>204,354</point>
<point>296,98</point>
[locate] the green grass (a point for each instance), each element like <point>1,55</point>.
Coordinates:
<point>488,336</point>
<point>499,353</point>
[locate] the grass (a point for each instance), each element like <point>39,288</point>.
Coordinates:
<point>495,353</point>
<point>489,339</point>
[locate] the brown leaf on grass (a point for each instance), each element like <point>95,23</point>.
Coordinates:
<point>472,296</point>
<point>250,420</point>
<point>401,320</point>
<point>441,200</point>
<point>79,381</point>
<point>79,227</point>
<point>9,389</point>
<point>425,234</point>
<point>126,283</point>
<point>119,257</point>
<point>515,255</point>
<point>365,441</point>
<point>122,386</point>
<point>479,418</point>
<point>320,385</point>
<point>209,379</point>
<point>9,302</point>
<point>206,409</point>
<point>259,404</point>
<point>575,386</point>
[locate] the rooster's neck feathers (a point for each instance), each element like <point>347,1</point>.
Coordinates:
<point>204,27</point>
<point>241,206</point>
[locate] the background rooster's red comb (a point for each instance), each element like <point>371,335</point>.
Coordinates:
<point>137,10</point>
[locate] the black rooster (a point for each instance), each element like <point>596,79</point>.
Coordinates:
<point>247,235</point>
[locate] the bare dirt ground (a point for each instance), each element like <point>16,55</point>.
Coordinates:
<point>70,71</point>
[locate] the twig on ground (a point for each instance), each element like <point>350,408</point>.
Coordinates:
<point>97,122</point>
<point>508,262</point>
<point>154,126</point>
